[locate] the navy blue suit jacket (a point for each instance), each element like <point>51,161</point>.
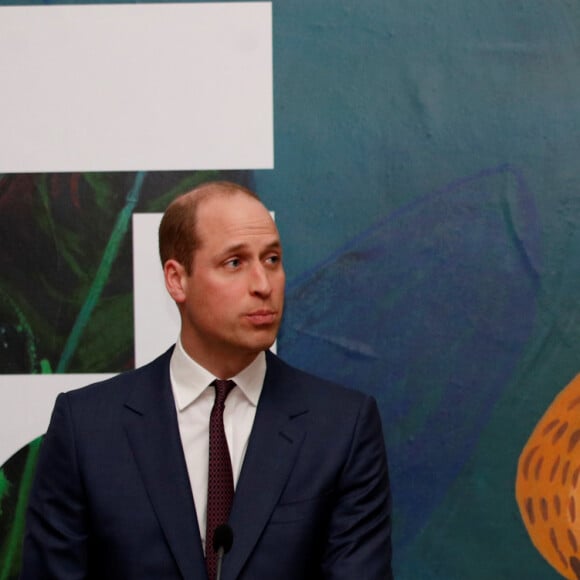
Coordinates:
<point>112,499</point>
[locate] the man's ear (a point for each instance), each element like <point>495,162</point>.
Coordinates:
<point>175,280</point>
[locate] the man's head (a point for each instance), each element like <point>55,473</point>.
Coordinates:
<point>222,261</point>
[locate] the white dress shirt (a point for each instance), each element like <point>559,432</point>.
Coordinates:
<point>194,398</point>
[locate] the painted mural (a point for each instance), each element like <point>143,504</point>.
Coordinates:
<point>427,190</point>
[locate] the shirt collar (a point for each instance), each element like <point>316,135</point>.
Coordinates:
<point>189,379</point>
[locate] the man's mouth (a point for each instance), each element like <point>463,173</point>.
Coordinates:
<point>262,317</point>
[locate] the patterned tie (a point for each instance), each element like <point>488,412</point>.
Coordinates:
<point>220,488</point>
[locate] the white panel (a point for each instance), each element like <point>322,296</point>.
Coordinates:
<point>156,315</point>
<point>136,87</point>
<point>26,402</point>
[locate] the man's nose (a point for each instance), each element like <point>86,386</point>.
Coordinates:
<point>260,281</point>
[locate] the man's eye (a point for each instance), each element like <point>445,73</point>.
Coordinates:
<point>233,263</point>
<point>273,259</point>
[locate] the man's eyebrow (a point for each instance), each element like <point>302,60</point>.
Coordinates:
<point>273,245</point>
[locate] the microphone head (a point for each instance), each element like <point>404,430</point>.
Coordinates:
<point>223,537</point>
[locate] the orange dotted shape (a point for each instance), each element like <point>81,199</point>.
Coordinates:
<point>548,483</point>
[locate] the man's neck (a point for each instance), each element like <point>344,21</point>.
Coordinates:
<point>222,366</point>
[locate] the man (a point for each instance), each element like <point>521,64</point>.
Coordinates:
<point>121,490</point>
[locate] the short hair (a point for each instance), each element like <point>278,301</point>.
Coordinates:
<point>178,238</point>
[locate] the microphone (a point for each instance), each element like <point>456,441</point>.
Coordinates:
<point>223,538</point>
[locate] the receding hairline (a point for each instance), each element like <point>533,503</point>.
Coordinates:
<point>217,188</point>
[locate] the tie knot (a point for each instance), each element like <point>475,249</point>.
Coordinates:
<point>222,390</point>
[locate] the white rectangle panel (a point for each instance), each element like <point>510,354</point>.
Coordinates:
<point>156,316</point>
<point>136,87</point>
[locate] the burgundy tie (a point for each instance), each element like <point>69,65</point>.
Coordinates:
<point>220,481</point>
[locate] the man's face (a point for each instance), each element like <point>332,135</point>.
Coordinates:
<point>233,299</point>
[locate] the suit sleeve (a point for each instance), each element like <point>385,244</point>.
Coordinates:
<point>55,541</point>
<point>359,541</point>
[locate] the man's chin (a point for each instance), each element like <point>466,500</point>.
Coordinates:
<point>261,345</point>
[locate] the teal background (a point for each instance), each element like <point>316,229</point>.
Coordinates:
<point>426,189</point>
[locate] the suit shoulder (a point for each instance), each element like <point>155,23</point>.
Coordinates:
<point>314,385</point>
<point>119,385</point>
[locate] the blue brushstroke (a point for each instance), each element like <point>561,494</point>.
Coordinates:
<point>429,311</point>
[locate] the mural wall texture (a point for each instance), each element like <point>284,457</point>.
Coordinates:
<point>427,190</point>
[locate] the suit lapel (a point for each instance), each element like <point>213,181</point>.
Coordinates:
<point>151,426</point>
<point>272,450</point>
